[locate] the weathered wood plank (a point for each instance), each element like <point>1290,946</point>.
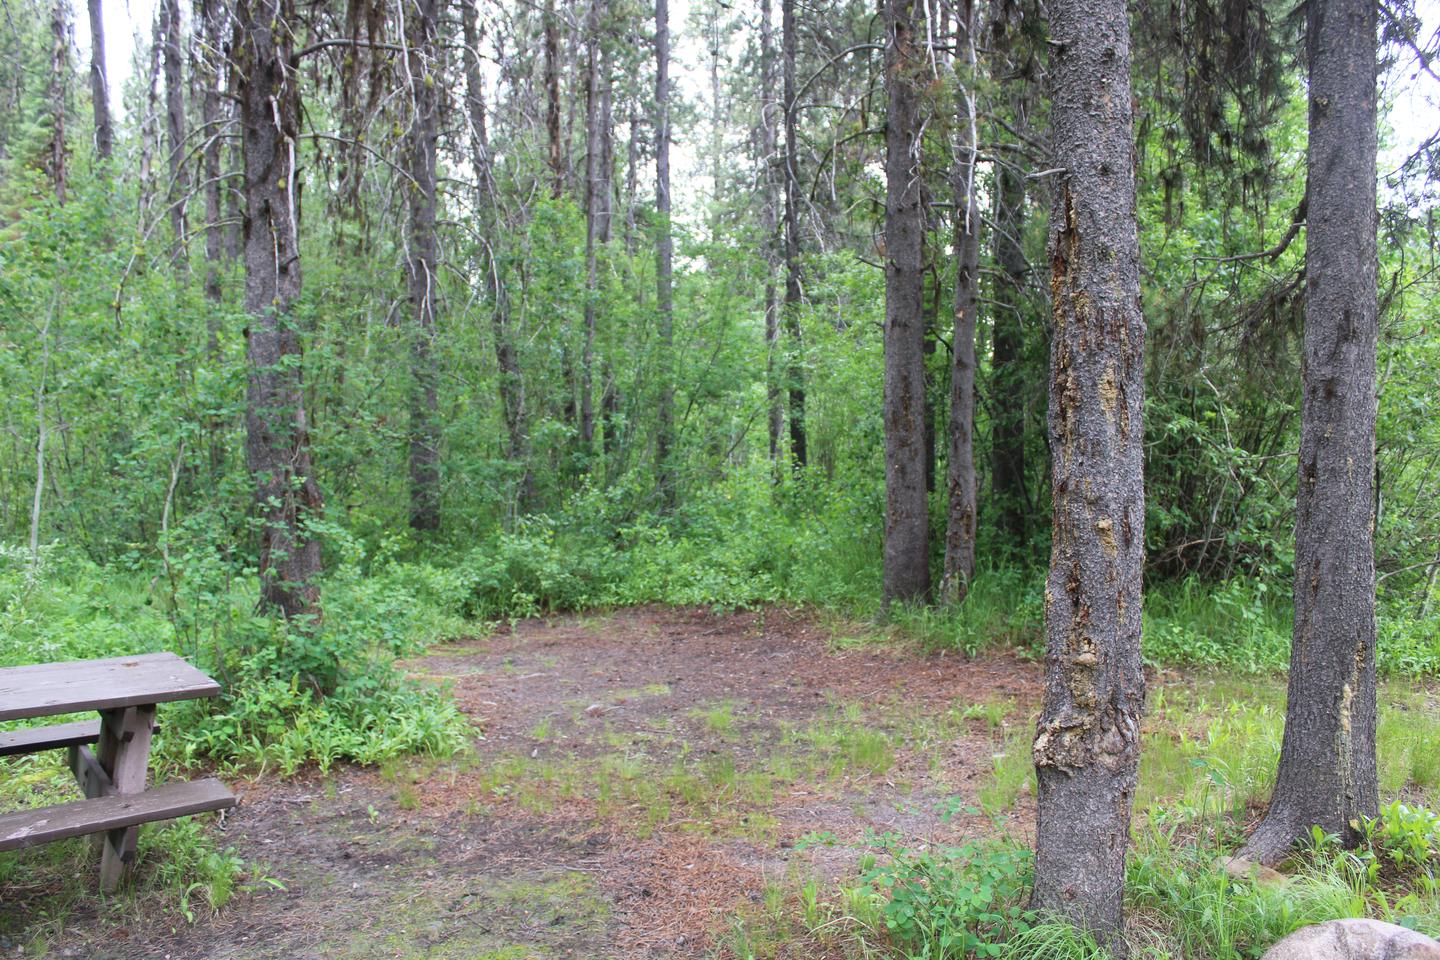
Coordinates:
<point>125,757</point>
<point>31,827</point>
<point>46,689</point>
<point>14,742</point>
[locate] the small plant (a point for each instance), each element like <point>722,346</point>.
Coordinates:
<point>955,902</point>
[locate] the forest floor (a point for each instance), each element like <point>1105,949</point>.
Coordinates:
<point>643,778</point>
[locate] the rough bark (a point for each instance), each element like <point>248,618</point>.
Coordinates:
<point>795,361</point>
<point>99,87</point>
<point>960,459</point>
<point>907,520</point>
<point>511,381</point>
<point>664,255</point>
<point>277,447</point>
<point>770,225</point>
<point>1087,745</point>
<point>57,153</point>
<point>423,66</point>
<point>175,127</point>
<point>1327,774</point>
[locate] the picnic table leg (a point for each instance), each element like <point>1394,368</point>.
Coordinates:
<point>124,754</point>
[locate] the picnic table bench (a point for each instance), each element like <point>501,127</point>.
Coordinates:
<point>125,692</point>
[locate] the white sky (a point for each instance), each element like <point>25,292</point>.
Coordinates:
<point>1415,94</point>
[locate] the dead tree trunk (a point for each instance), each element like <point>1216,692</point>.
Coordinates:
<point>277,443</point>
<point>1327,775</point>
<point>960,460</point>
<point>422,61</point>
<point>1087,745</point>
<point>664,254</point>
<point>907,516</point>
<point>175,128</point>
<point>795,362</point>
<point>99,87</point>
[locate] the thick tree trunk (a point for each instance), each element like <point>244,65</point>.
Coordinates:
<point>1087,746</point>
<point>210,26</point>
<point>664,254</point>
<point>277,444</point>
<point>960,459</point>
<point>907,517</point>
<point>58,153</point>
<point>99,87</point>
<point>175,128</point>
<point>770,110</point>
<point>422,59</point>
<point>552,100</point>
<point>795,361</point>
<point>1327,775</point>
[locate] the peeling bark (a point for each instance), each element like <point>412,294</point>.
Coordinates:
<point>1087,744</point>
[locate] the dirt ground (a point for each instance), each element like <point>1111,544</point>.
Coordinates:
<point>642,777</point>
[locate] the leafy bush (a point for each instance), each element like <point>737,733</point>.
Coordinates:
<point>954,902</point>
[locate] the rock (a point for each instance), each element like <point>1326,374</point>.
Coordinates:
<point>1250,870</point>
<point>1354,940</point>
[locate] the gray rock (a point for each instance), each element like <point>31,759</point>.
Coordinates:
<point>1354,940</point>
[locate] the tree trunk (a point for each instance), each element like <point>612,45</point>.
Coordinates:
<point>1327,775</point>
<point>422,60</point>
<point>1087,746</point>
<point>1007,429</point>
<point>175,128</point>
<point>511,382</point>
<point>907,517</point>
<point>597,202</point>
<point>960,459</point>
<point>552,99</point>
<point>1011,73</point>
<point>664,253</point>
<point>795,362</point>
<point>150,122</point>
<point>210,26</point>
<point>58,154</point>
<point>99,88</point>
<point>770,221</point>
<point>277,444</point>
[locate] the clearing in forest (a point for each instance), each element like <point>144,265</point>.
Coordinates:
<point>643,778</point>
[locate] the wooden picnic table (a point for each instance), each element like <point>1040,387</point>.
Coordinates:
<point>125,692</point>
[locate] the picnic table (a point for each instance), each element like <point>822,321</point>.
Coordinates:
<point>125,692</point>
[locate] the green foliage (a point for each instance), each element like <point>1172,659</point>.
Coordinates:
<point>954,902</point>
